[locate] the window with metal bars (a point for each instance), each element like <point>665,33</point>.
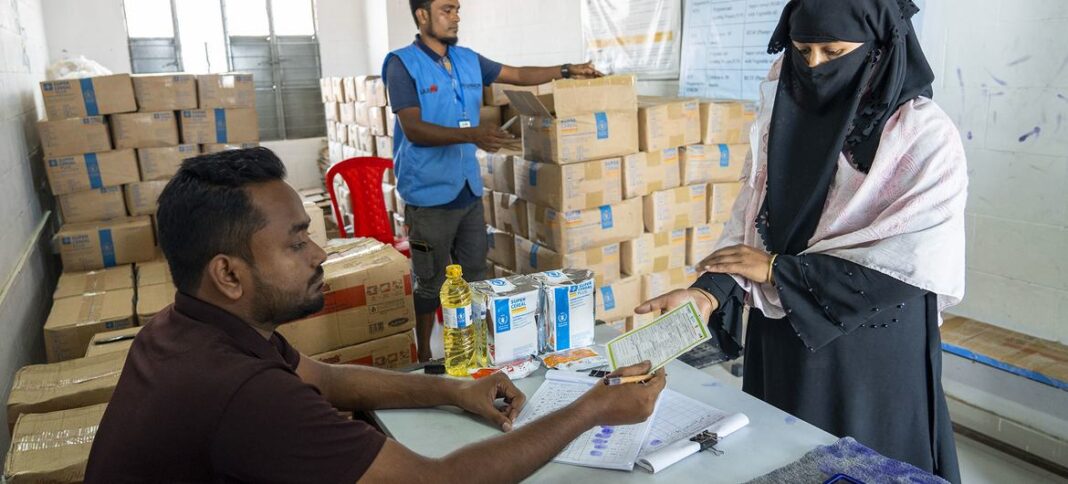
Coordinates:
<point>274,40</point>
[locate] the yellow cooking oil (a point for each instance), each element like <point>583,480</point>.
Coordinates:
<point>460,338</point>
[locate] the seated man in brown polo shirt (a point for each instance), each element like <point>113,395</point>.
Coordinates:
<point>211,393</point>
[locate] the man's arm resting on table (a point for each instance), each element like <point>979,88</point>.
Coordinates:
<point>356,387</point>
<point>505,458</point>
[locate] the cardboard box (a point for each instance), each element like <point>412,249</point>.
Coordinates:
<point>617,300</point>
<point>206,126</point>
<point>499,272</point>
<point>489,116</point>
<point>720,201</point>
<point>485,168</point>
<point>90,96</point>
<point>337,87</point>
<point>368,293</point>
<point>353,137</point>
<point>360,114</point>
<point>346,113</point>
<point>349,90</point>
<point>388,197</point>
<point>317,229</point>
<point>209,148</point>
<point>361,85</point>
<point>74,136</point>
<point>52,447</point>
<point>583,229</point>
<point>654,252</point>
<point>142,198</point>
<point>332,111</point>
<point>96,245</point>
<point>86,206</point>
<point>570,187</point>
<point>712,163</point>
<point>162,163</point>
<point>364,140</point>
<point>376,92</point>
<point>727,122</point>
<point>677,208</point>
<point>501,247</point>
<point>376,120</point>
<point>383,146</point>
<point>118,341</point>
<point>582,120</point>
<point>226,91</point>
<point>331,131</point>
<point>153,299</point>
<point>700,242</point>
<point>667,123</point>
<point>74,320</point>
<point>153,273</point>
<point>65,385</point>
<point>510,213</point>
<point>487,208</point>
<point>502,167</point>
<point>658,283</point>
<point>78,283</point>
<point>603,261</point>
<point>391,121</point>
<point>392,352</point>
<point>88,171</point>
<point>326,93</point>
<point>165,92</point>
<point>508,309</point>
<point>645,173</point>
<point>494,95</point>
<point>507,113</point>
<point>567,309</point>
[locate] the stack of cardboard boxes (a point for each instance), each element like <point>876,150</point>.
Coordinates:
<point>111,144</point>
<point>369,316</point>
<point>634,188</point>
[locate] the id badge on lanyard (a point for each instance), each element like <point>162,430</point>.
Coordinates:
<point>465,123</point>
<point>458,90</point>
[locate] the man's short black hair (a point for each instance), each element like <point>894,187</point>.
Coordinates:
<point>418,4</point>
<point>205,210</point>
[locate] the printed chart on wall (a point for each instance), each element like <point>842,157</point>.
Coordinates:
<point>640,37</point>
<point>725,46</point>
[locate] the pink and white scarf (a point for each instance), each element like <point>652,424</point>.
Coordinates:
<point>904,218</point>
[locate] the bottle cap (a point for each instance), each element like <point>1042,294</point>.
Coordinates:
<point>453,271</point>
<point>434,369</point>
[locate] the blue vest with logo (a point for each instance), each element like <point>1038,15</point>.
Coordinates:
<point>434,175</point>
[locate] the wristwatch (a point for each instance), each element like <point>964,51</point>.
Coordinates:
<point>565,71</point>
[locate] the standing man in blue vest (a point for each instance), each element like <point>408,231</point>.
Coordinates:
<point>435,88</point>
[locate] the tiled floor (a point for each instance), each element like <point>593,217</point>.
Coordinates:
<point>979,463</point>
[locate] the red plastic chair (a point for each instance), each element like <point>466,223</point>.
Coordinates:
<point>364,179</point>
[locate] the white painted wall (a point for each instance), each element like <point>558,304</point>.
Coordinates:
<point>301,157</point>
<point>27,266</point>
<point>342,43</point>
<point>1003,71</point>
<point>93,28</point>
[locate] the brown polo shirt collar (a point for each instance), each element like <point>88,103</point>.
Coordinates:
<point>244,336</point>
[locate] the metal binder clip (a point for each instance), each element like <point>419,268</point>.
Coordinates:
<point>708,441</point>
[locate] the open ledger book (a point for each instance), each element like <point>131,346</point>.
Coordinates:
<point>661,438</point>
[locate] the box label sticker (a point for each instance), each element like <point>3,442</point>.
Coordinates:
<point>220,125</point>
<point>602,125</point>
<point>533,175</point>
<point>534,256</point>
<point>92,169</point>
<point>107,247</point>
<point>563,318</point>
<point>502,315</point>
<point>89,97</point>
<point>724,156</point>
<point>609,298</point>
<point>606,217</point>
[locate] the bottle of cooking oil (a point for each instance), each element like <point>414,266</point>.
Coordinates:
<point>460,342</point>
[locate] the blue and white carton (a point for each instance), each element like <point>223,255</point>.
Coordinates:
<point>506,311</point>
<point>567,314</point>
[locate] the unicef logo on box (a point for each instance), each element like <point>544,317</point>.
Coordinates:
<point>497,282</point>
<point>47,86</point>
<point>53,163</point>
<point>66,240</point>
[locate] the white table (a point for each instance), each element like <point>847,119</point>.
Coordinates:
<point>772,439</point>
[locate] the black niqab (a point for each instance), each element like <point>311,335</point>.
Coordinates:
<point>839,106</point>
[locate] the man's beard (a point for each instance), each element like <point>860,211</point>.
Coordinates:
<point>442,38</point>
<point>273,306</point>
